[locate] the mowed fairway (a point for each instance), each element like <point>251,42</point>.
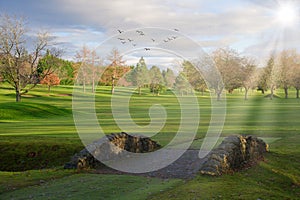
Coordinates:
<point>39,134</point>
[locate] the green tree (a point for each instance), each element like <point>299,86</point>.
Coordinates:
<point>67,73</point>
<point>194,77</point>
<point>181,83</point>
<point>169,77</point>
<point>156,80</point>
<point>140,75</point>
<point>50,64</point>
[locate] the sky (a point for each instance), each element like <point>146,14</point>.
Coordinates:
<point>254,28</point>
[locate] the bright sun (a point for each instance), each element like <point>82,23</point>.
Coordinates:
<point>287,15</point>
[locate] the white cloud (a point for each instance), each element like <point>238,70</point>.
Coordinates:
<point>246,25</point>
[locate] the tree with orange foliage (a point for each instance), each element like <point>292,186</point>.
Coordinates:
<point>50,80</point>
<point>116,69</point>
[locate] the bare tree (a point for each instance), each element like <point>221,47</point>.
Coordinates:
<point>286,61</point>
<point>249,75</point>
<point>90,67</point>
<point>228,62</point>
<point>18,66</point>
<point>210,73</point>
<point>295,76</point>
<point>272,74</point>
<point>82,56</point>
<point>95,68</point>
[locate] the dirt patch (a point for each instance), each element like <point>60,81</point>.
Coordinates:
<point>186,167</point>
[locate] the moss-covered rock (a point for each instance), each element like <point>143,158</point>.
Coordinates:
<point>111,147</point>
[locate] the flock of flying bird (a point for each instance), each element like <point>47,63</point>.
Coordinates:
<point>141,33</point>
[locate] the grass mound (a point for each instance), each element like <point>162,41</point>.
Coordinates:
<point>35,153</point>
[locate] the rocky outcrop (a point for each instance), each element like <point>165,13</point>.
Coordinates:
<point>111,147</point>
<point>234,153</point>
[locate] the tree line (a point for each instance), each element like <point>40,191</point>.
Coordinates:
<point>23,67</point>
<point>282,70</point>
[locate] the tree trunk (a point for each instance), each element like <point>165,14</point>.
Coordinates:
<point>140,90</point>
<point>18,95</point>
<point>297,93</point>
<point>83,87</point>
<point>49,88</point>
<point>219,96</point>
<point>262,91</point>
<point>246,93</point>
<point>272,93</point>
<point>286,92</point>
<point>113,86</point>
<point>113,89</point>
<point>93,85</point>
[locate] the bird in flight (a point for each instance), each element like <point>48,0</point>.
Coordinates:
<point>175,29</point>
<point>133,44</point>
<point>121,38</point>
<point>140,32</point>
<point>152,40</point>
<point>147,49</point>
<point>120,31</point>
<point>130,40</point>
<point>123,42</point>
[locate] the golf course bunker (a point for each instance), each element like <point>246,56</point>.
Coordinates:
<point>234,153</point>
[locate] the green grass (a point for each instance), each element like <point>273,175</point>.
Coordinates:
<point>11,181</point>
<point>39,133</point>
<point>90,186</point>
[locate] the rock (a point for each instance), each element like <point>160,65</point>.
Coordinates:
<point>111,147</point>
<point>232,154</point>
